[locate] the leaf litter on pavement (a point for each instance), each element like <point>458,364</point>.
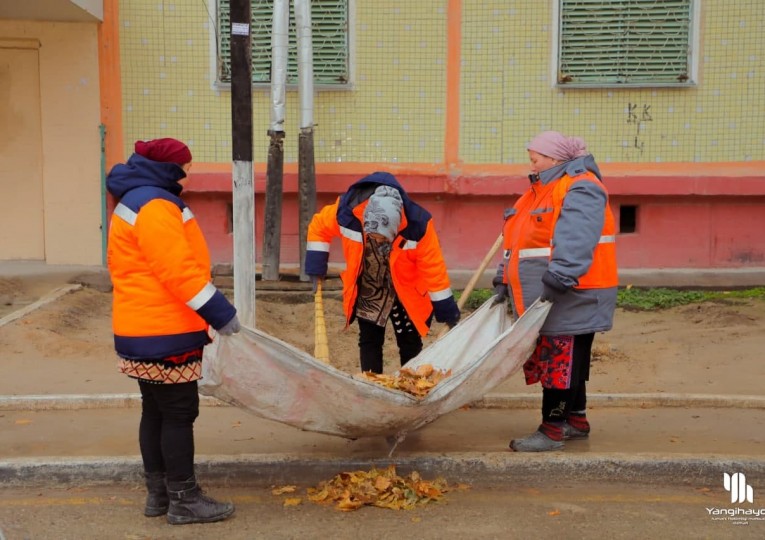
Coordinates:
<point>383,488</point>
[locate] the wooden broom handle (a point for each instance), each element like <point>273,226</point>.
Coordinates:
<point>320,346</point>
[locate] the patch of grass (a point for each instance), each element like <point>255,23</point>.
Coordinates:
<point>640,299</point>
<point>662,298</point>
<point>476,298</point>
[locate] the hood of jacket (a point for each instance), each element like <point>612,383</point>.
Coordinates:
<point>573,167</point>
<point>416,216</point>
<point>139,171</point>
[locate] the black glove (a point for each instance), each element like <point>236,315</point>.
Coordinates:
<point>315,282</point>
<point>552,289</point>
<point>452,323</point>
<point>231,327</point>
<point>549,294</point>
<point>501,291</point>
<point>446,310</point>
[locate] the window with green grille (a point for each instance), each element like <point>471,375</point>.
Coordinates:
<point>329,29</point>
<point>625,42</point>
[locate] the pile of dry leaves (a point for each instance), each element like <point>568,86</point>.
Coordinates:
<point>415,382</point>
<point>383,488</point>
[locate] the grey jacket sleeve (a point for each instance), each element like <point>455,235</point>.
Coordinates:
<point>577,232</point>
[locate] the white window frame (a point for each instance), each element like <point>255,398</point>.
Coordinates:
<point>693,62</point>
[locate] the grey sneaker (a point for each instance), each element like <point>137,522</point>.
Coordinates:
<point>536,442</point>
<point>571,433</point>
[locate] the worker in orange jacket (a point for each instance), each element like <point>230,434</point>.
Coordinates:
<point>164,303</point>
<point>394,266</point>
<point>559,241</point>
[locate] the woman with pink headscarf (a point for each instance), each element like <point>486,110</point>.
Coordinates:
<point>559,242</point>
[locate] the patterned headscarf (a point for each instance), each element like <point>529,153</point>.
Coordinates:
<point>383,212</point>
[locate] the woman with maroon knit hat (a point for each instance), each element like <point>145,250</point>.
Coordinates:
<point>164,304</point>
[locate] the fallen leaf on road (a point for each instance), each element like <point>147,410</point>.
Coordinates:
<point>383,488</point>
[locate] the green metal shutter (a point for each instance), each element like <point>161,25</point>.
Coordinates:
<point>625,42</point>
<point>330,42</point>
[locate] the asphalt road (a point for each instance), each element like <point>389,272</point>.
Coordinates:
<point>576,511</point>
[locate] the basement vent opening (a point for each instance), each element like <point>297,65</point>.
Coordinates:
<point>627,219</point>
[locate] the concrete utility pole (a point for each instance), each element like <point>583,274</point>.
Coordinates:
<point>306,165</point>
<point>272,226</point>
<point>243,190</point>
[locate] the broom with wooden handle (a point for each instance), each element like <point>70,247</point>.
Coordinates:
<point>473,280</point>
<point>320,348</point>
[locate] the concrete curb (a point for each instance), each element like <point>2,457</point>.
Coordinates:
<point>652,400</point>
<point>74,402</point>
<point>486,469</point>
<point>70,402</point>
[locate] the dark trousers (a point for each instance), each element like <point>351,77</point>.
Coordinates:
<point>166,432</point>
<point>372,339</point>
<point>557,405</point>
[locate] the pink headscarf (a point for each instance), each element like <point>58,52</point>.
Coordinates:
<point>558,146</point>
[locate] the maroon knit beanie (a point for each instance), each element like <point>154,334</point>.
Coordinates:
<point>164,150</point>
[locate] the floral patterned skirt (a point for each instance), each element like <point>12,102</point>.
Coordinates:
<point>551,362</point>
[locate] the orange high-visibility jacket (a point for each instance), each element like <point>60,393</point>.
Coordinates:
<point>159,264</point>
<point>418,270</point>
<point>563,225</point>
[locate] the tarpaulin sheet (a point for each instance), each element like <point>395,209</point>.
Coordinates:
<point>275,380</point>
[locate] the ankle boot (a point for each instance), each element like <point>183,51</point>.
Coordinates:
<point>189,505</point>
<point>157,500</point>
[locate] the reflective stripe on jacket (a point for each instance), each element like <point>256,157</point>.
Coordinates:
<point>417,266</point>
<point>563,224</point>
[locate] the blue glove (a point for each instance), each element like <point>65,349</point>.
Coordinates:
<point>231,327</point>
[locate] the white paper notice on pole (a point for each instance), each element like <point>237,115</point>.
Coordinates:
<point>240,29</point>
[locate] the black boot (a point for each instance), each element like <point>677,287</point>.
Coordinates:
<point>157,500</point>
<point>189,505</point>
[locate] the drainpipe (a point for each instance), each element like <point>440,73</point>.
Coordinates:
<point>306,164</point>
<point>104,227</point>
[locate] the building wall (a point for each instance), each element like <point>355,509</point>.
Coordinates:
<point>712,220</point>
<point>22,231</point>
<point>70,148</point>
<point>509,95</point>
<point>445,94</point>
<point>395,110</point>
